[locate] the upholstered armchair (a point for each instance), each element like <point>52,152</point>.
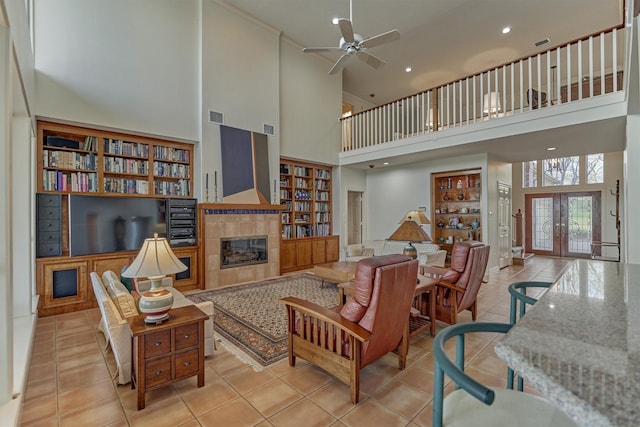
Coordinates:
<point>457,287</point>
<point>372,323</point>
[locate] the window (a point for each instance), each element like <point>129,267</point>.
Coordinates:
<point>561,171</point>
<point>595,168</point>
<point>530,174</point>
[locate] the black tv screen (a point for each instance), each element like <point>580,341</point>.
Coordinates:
<point>99,224</point>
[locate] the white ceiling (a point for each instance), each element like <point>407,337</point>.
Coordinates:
<point>442,40</point>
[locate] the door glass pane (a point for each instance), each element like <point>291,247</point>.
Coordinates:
<point>579,221</point>
<point>542,224</point>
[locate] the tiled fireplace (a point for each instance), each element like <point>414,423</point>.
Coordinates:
<point>241,243</point>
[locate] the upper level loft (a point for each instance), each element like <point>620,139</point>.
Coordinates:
<point>578,86</point>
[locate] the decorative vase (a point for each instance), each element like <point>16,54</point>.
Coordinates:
<point>475,223</point>
<point>446,196</point>
<point>460,195</point>
<point>441,223</point>
<point>459,183</point>
<point>156,303</point>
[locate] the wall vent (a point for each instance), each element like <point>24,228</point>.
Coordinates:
<point>269,129</point>
<point>541,42</point>
<point>216,117</point>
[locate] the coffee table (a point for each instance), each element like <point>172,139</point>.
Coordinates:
<point>336,272</point>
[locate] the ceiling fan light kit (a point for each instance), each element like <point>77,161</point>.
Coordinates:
<point>353,44</point>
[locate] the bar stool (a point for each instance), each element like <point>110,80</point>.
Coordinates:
<point>518,291</point>
<point>473,404</point>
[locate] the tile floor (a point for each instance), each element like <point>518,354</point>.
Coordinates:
<point>71,378</point>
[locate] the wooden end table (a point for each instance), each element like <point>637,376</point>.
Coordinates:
<point>336,272</point>
<point>168,352</point>
<point>424,302</point>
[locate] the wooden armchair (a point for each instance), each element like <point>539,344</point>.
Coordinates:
<point>457,287</point>
<point>372,323</point>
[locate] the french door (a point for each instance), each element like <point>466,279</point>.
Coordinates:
<point>562,224</point>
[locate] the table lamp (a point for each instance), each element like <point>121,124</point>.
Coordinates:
<point>411,231</point>
<point>154,261</point>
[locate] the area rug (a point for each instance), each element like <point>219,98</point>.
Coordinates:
<point>252,319</point>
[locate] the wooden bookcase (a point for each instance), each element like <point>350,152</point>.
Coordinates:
<point>456,200</point>
<point>305,194</point>
<point>76,159</point>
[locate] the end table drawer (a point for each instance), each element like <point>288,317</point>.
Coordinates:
<point>187,364</point>
<point>186,336</point>
<point>157,343</point>
<point>158,371</point>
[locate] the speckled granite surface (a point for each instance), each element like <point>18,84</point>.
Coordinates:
<point>580,344</point>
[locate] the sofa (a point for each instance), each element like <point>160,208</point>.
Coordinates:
<point>117,304</point>
<point>371,248</point>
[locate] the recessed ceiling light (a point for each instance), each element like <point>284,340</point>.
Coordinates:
<point>334,21</point>
<point>385,163</point>
<point>551,148</point>
<point>408,69</point>
<point>506,30</point>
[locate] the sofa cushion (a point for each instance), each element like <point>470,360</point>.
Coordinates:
<point>367,252</point>
<point>122,299</point>
<point>354,250</point>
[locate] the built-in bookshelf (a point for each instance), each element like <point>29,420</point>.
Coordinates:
<point>81,159</point>
<point>305,194</point>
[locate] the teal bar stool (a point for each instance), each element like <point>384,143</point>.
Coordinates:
<point>473,404</point>
<point>518,291</point>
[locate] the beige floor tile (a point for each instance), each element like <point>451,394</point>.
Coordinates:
<point>43,371</point>
<point>302,413</point>
<point>419,378</point>
<point>371,413</point>
<point>75,399</point>
<point>76,340</point>
<point>82,376</point>
<point>225,362</point>
<point>424,417</point>
<point>403,399</point>
<point>213,395</point>
<point>307,379</point>
<point>335,398</point>
<point>167,413</point>
<point>94,412</point>
<point>153,398</point>
<point>245,379</point>
<point>272,397</point>
<point>90,356</point>
<point>237,413</point>
<point>40,388</point>
<point>42,408</point>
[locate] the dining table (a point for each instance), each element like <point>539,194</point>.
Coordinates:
<point>579,344</point>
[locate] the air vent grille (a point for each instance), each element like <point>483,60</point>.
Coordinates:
<point>269,129</point>
<point>541,42</point>
<point>216,117</point>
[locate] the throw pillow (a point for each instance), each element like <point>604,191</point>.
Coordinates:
<point>368,252</point>
<point>126,281</point>
<point>122,299</point>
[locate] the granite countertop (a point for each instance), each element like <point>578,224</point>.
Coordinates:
<point>579,345</point>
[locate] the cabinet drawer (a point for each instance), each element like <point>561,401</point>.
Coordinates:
<point>48,212</point>
<point>157,343</point>
<point>48,225</point>
<point>187,364</point>
<point>186,336</point>
<point>158,372</point>
<point>48,200</point>
<point>48,237</point>
<point>49,249</point>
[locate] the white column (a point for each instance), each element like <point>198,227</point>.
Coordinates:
<point>6,299</point>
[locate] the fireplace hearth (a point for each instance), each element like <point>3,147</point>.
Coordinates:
<point>242,251</point>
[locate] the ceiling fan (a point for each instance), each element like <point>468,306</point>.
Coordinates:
<point>353,44</point>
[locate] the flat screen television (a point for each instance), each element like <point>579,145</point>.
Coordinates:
<point>100,224</point>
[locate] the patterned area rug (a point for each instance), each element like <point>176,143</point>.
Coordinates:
<point>251,317</point>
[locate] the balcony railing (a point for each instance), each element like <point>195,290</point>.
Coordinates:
<point>582,69</point>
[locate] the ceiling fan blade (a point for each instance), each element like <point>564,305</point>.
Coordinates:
<point>346,29</point>
<point>371,60</point>
<point>387,37</point>
<point>339,64</point>
<point>321,49</point>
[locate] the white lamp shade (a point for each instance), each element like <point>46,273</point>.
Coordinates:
<point>154,259</point>
<point>415,216</point>
<point>491,102</point>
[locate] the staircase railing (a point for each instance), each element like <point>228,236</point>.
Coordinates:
<point>582,69</point>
